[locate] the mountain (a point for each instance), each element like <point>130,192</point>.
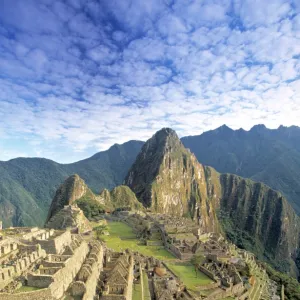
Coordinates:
<point>120,196</point>
<point>271,156</point>
<point>27,185</point>
<point>168,178</point>
<point>72,189</point>
<point>74,192</point>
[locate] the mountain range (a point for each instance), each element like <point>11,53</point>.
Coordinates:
<point>271,156</point>
<point>167,178</point>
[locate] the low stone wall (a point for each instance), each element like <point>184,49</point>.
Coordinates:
<point>207,273</point>
<point>175,251</point>
<point>43,294</point>
<point>228,292</point>
<point>208,286</point>
<point>154,243</point>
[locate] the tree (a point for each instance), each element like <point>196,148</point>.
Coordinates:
<point>196,261</point>
<point>100,230</point>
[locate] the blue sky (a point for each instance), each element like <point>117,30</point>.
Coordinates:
<point>78,76</point>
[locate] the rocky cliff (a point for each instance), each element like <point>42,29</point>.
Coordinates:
<point>167,178</point>
<point>71,190</point>
<point>260,220</point>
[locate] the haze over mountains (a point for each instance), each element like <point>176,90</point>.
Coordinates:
<point>27,185</point>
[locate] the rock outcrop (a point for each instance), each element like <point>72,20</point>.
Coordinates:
<point>167,178</point>
<point>71,190</point>
<point>70,216</point>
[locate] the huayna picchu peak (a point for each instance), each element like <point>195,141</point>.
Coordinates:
<point>167,178</point>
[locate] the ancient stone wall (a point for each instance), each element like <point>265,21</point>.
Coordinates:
<point>56,244</point>
<point>64,276</point>
<point>7,274</point>
<point>207,273</point>
<point>7,247</point>
<point>91,283</point>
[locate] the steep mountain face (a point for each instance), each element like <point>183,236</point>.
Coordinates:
<point>168,178</point>
<point>27,185</point>
<point>260,220</point>
<point>271,156</point>
<point>71,190</point>
<point>120,196</point>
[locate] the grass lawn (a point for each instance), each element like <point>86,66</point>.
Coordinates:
<point>122,237</point>
<point>137,292</point>
<point>25,288</point>
<point>147,295</point>
<point>186,273</point>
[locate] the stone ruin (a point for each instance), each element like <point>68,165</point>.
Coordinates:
<point>117,278</point>
<point>71,216</point>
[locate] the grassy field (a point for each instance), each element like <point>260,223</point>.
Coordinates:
<point>146,287</point>
<point>186,273</point>
<point>137,292</point>
<point>122,237</point>
<point>25,288</point>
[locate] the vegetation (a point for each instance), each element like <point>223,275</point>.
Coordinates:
<point>291,285</point>
<point>137,292</point>
<point>147,295</point>
<point>269,156</point>
<point>100,231</point>
<point>27,185</point>
<point>121,197</point>
<point>197,260</point>
<point>186,272</point>
<point>25,288</point>
<point>91,208</point>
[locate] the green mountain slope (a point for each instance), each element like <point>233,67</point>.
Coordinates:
<point>270,156</point>
<point>27,185</point>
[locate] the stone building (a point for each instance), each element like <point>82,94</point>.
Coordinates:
<point>117,278</point>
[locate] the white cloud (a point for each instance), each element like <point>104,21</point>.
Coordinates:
<point>98,73</point>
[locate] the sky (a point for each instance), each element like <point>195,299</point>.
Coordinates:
<point>77,76</point>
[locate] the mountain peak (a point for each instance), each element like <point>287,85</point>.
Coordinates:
<point>72,189</point>
<point>166,132</point>
<point>258,127</point>
<point>168,179</point>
